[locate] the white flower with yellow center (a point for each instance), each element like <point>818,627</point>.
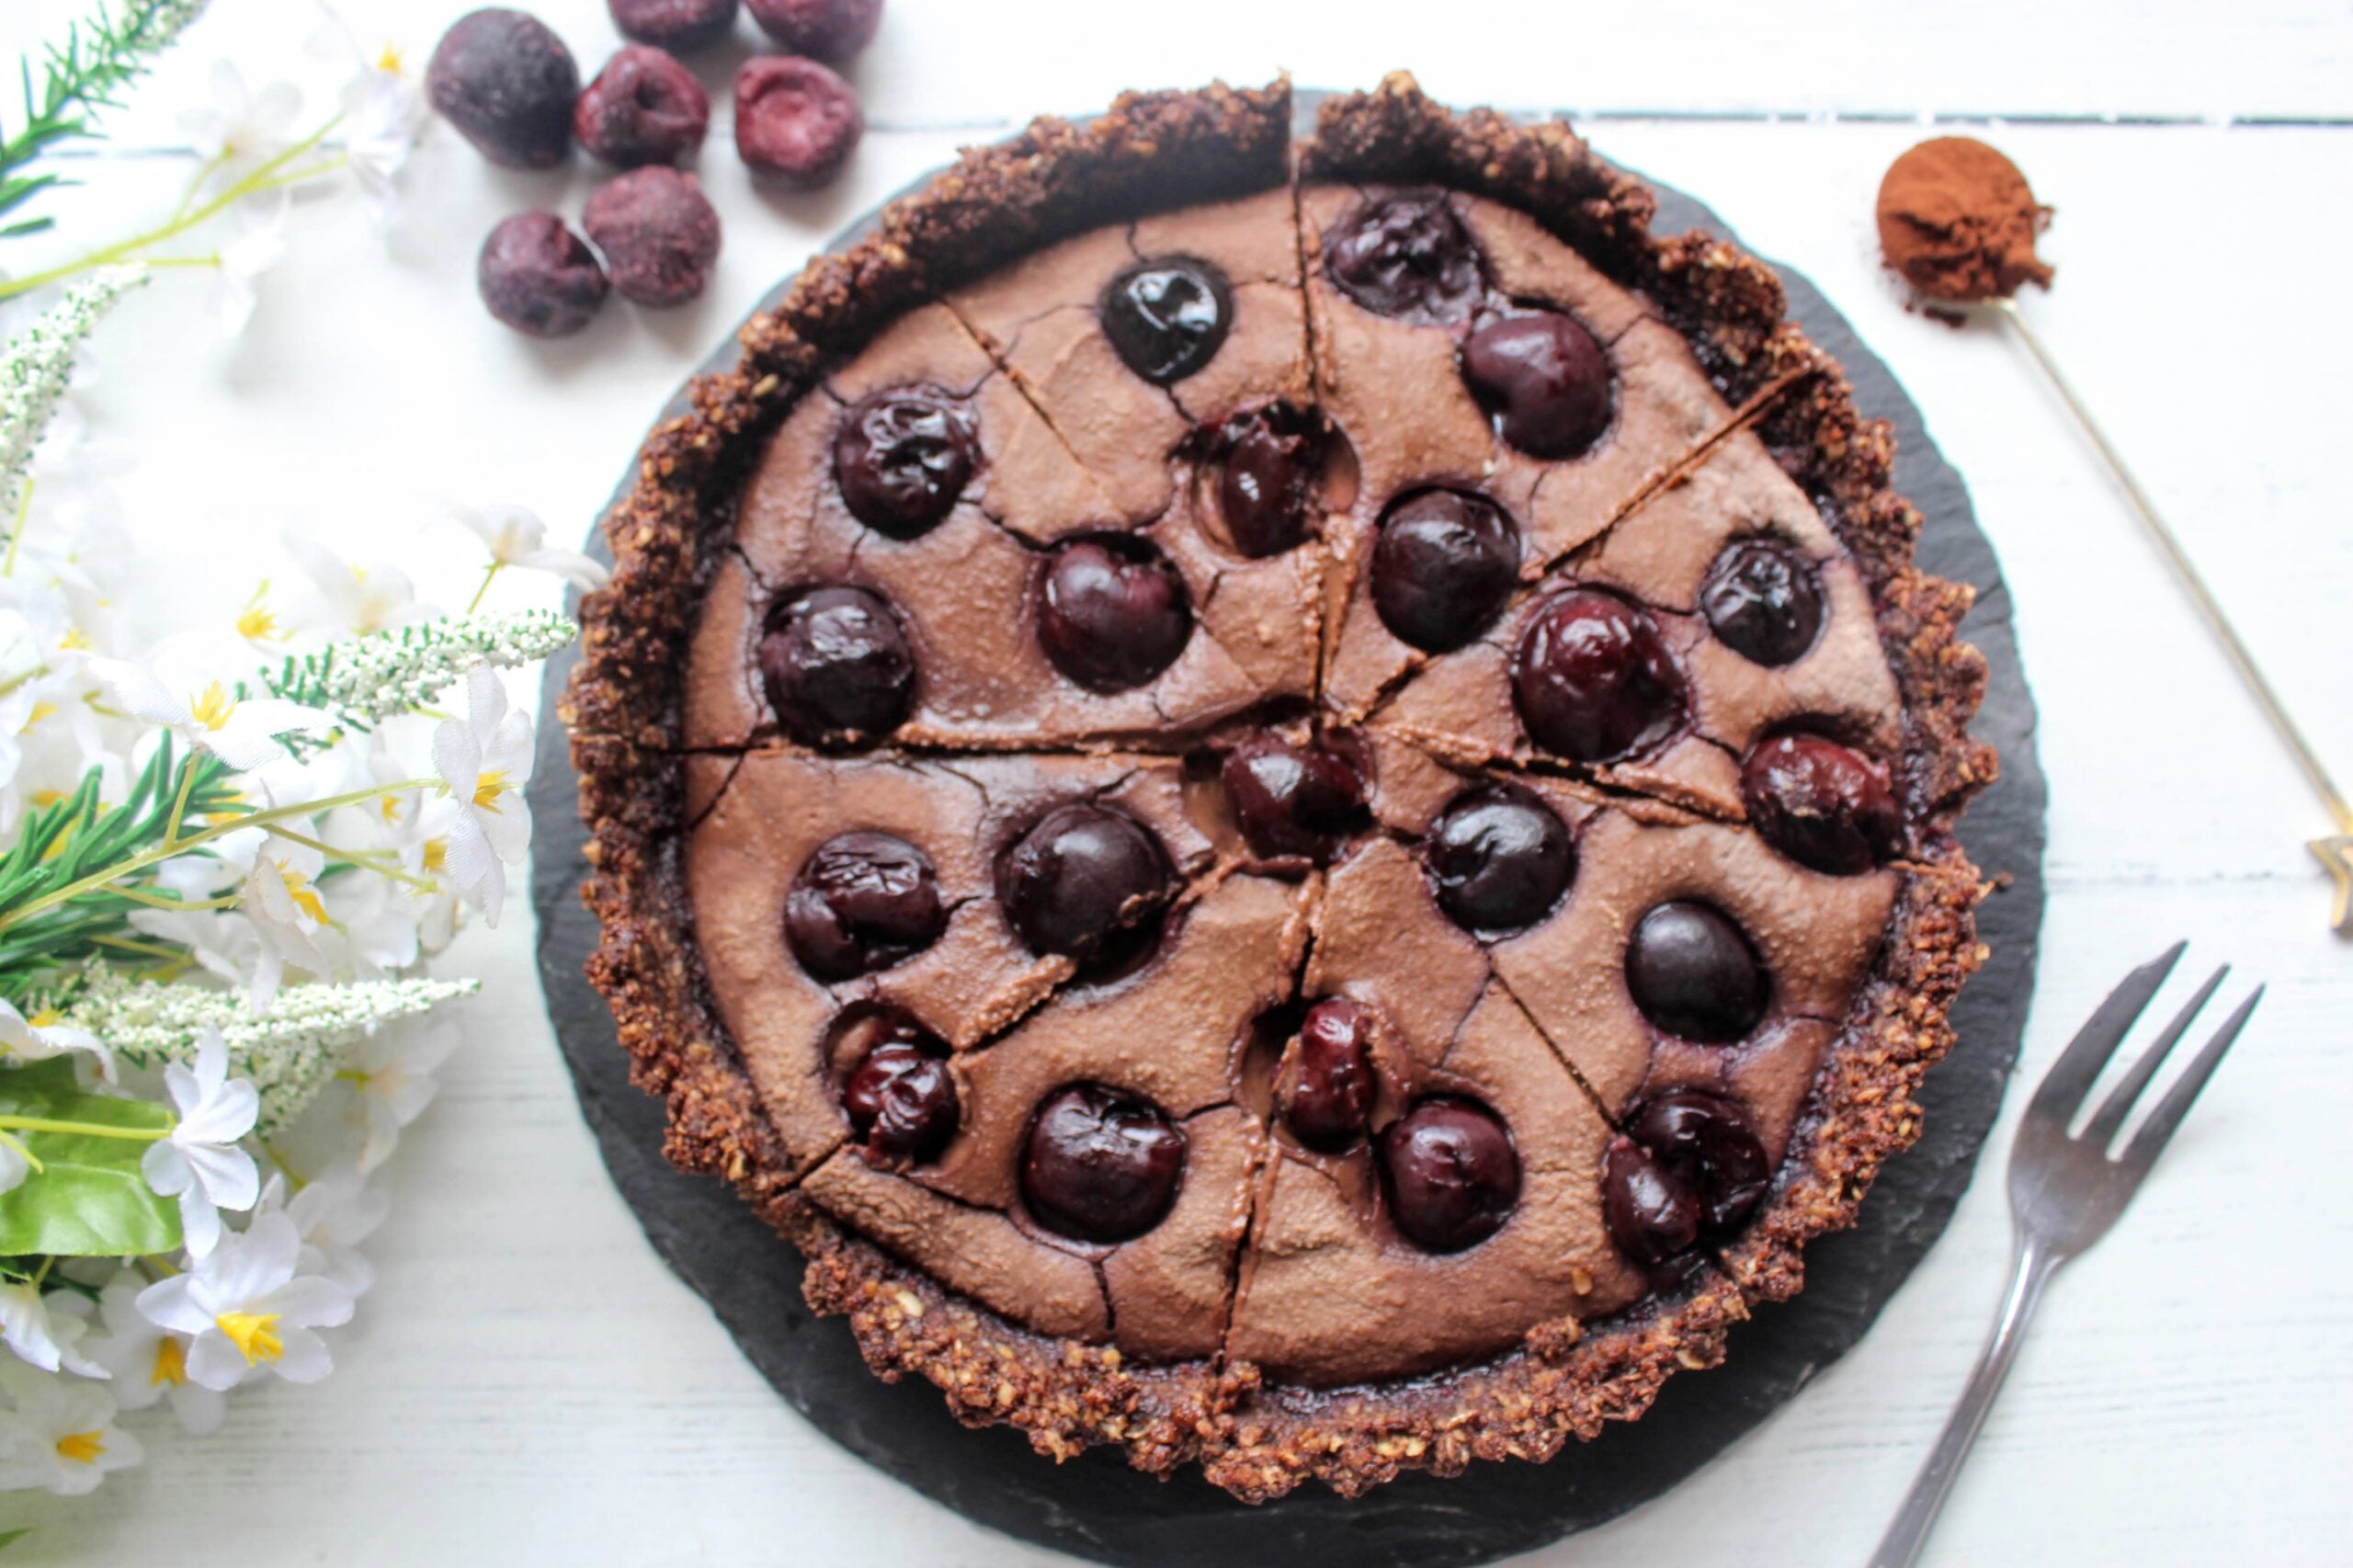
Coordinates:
<point>150,1363</point>
<point>246,1311</point>
<point>206,712</point>
<point>279,897</point>
<point>241,129</point>
<point>359,599</point>
<point>384,109</point>
<point>484,760</point>
<point>61,1436</point>
<point>335,1211</point>
<point>392,1071</point>
<point>201,1163</point>
<point>517,538</point>
<point>44,1035</point>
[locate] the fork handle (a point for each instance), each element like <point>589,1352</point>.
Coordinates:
<point>2030,1269</point>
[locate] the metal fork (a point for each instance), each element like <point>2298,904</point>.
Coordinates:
<point>2065,1191</point>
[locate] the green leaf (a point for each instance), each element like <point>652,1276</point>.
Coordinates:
<point>10,1537</point>
<point>87,1199</point>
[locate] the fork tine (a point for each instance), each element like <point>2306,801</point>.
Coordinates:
<point>2119,1104</point>
<point>2142,1152</point>
<point>2070,1078</point>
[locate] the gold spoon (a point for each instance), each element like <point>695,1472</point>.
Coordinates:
<point>2334,852</point>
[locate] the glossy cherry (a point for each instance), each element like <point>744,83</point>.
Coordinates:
<point>1167,317</point>
<point>1824,805</point>
<point>1442,566</point>
<point>1291,799</point>
<point>1500,860</point>
<point>1086,880</point>
<point>1653,1214</point>
<point>1112,612</point>
<point>1593,680</point>
<point>1709,1141</point>
<point>902,457</point>
<point>1407,256</point>
<point>1269,468</point>
<point>1326,1092</point>
<point>1450,1174</point>
<point>838,666</point>
<point>1100,1165</point>
<point>1694,974</point>
<point>861,902</point>
<point>901,1098</point>
<point>1544,379</point>
<point>1763,601</point>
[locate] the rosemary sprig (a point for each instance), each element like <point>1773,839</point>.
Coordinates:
<point>80,76</point>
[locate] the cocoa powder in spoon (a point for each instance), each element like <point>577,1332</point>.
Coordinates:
<point>1957,220</point>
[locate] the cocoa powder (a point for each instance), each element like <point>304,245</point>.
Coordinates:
<point>1957,220</point>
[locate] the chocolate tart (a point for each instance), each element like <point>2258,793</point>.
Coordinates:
<point>1291,804</point>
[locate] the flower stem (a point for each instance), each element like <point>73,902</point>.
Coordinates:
<point>17,535</point>
<point>366,859</point>
<point>487,578</point>
<point>154,853</point>
<point>179,801</point>
<point>83,1129</point>
<point>264,177</point>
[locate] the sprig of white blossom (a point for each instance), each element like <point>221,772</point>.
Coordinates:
<point>289,1053</point>
<point>36,368</point>
<point>365,680</point>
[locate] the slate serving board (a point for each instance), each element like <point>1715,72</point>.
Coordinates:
<point>1095,1507</point>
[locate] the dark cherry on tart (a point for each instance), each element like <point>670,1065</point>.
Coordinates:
<point>1148,1034</point>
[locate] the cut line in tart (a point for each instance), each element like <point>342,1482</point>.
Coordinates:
<point>1290,801</point>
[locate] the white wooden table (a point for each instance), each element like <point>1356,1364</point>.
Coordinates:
<point>529,1384</point>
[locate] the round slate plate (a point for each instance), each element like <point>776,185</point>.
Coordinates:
<point>1095,1505</point>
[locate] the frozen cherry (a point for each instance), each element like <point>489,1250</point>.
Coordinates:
<point>538,277</point>
<point>838,666</point>
<point>1593,680</point>
<point>1711,1144</point>
<point>1694,974</point>
<point>1100,1165</point>
<point>1272,461</point>
<point>1824,805</point>
<point>823,29</point>
<point>1166,317</point>
<point>1653,1213</point>
<point>1500,859</point>
<point>507,83</point>
<point>795,121</point>
<point>1544,379</point>
<point>861,902</point>
<point>900,1098</point>
<point>1763,601</point>
<point>1087,882</point>
<point>1443,566</point>
<point>1294,799</point>
<point>1326,1094</point>
<point>1407,256</point>
<point>902,457</point>
<point>659,233</point>
<point>1112,612</point>
<point>678,25</point>
<point>644,107</point>
<point>1450,1172</point>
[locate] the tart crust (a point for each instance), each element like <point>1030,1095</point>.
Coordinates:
<point>1157,152</point>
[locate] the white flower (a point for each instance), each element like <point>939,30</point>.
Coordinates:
<point>45,1034</point>
<point>242,129</point>
<point>517,538</point>
<point>358,598</point>
<point>61,1436</point>
<point>280,897</point>
<point>484,760</point>
<point>200,1163</point>
<point>206,712</point>
<point>383,110</point>
<point>244,1307</point>
<point>150,1363</point>
<point>394,1069</point>
<point>260,244</point>
<point>37,1338</point>
<point>334,1213</point>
